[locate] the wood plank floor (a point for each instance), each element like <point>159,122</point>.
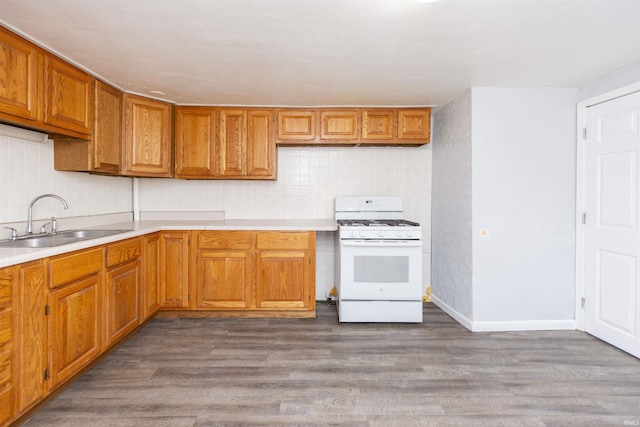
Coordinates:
<point>316,372</point>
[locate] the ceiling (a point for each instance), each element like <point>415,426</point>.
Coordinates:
<point>332,52</point>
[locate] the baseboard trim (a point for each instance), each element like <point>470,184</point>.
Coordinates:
<point>507,325</point>
<point>523,325</point>
<point>463,320</point>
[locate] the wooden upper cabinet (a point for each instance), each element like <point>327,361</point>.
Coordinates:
<point>340,125</point>
<point>354,126</point>
<point>18,77</point>
<point>107,129</point>
<point>103,152</point>
<point>300,126</point>
<point>68,97</point>
<point>147,137</point>
<point>261,144</point>
<point>232,143</point>
<point>297,126</point>
<point>414,124</point>
<point>245,145</point>
<point>195,137</point>
<point>378,124</point>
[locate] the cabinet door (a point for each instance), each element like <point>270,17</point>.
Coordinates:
<point>74,328</point>
<point>6,346</point>
<point>122,301</point>
<point>174,269</point>
<point>378,125</point>
<point>195,137</point>
<point>147,137</point>
<point>296,126</point>
<point>285,270</point>
<point>282,280</point>
<point>340,126</point>
<point>18,74</point>
<point>30,298</point>
<point>223,279</point>
<point>232,143</point>
<point>150,289</point>
<point>261,144</point>
<point>107,134</point>
<point>414,124</point>
<point>68,97</point>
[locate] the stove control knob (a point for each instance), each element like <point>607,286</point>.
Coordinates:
<point>352,234</point>
<point>362,234</point>
<point>408,234</point>
<point>399,233</point>
<point>380,233</point>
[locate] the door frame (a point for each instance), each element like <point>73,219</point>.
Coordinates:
<point>581,123</point>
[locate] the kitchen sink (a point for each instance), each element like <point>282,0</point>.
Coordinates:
<point>61,238</point>
<point>87,234</point>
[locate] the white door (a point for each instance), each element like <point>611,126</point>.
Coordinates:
<point>612,239</point>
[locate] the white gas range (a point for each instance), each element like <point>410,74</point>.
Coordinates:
<point>378,261</point>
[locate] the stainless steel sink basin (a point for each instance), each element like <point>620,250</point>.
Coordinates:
<point>87,234</point>
<point>62,238</point>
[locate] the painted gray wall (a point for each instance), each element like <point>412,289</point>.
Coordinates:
<point>451,274</point>
<point>524,172</point>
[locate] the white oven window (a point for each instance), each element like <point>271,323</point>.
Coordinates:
<point>381,269</point>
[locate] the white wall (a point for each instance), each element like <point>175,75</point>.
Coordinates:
<point>609,82</point>
<point>451,206</point>
<point>524,172</point>
<point>26,171</point>
<point>309,178</point>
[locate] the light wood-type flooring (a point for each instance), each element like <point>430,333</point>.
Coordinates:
<point>317,372</point>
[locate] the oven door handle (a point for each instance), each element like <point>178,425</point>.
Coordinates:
<point>382,243</point>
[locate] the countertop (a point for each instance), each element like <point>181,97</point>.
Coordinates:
<point>12,256</point>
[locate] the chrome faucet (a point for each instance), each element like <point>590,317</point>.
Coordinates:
<point>29,224</point>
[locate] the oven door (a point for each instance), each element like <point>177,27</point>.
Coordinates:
<point>381,270</point>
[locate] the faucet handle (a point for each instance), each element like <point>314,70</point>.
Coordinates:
<point>14,233</point>
<point>43,229</point>
<point>54,225</point>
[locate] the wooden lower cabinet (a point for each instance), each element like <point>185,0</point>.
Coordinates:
<point>281,280</point>
<point>253,271</point>
<point>223,280</point>
<point>150,281</point>
<point>73,313</point>
<point>73,328</point>
<point>30,335</point>
<point>122,313</point>
<point>174,269</point>
<point>6,346</point>
<point>285,273</point>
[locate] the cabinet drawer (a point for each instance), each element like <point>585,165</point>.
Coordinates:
<point>282,240</point>
<point>225,239</point>
<point>5,366</point>
<point>5,326</point>
<point>121,252</point>
<point>66,268</point>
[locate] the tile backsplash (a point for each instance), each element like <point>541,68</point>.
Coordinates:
<point>26,171</point>
<point>309,178</point>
